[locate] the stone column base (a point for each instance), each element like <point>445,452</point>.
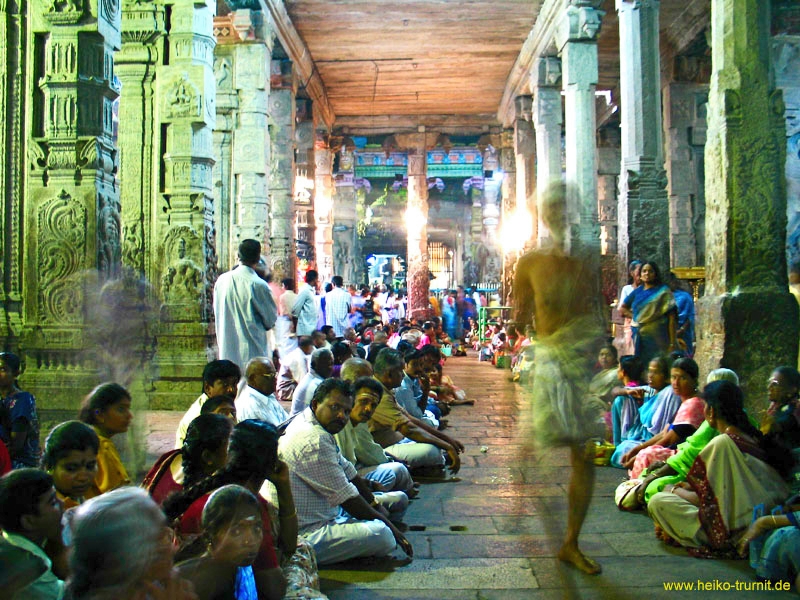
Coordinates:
<point>751,333</point>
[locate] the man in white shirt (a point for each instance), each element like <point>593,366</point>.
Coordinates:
<point>220,378</point>
<point>244,308</point>
<point>293,368</point>
<point>337,307</point>
<point>305,305</point>
<point>257,400</point>
<point>321,369</point>
<point>325,484</point>
<point>284,329</point>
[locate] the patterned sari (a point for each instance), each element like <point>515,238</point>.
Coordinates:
<point>651,309</point>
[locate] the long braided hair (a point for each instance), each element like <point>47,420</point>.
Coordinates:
<point>205,433</point>
<point>252,452</point>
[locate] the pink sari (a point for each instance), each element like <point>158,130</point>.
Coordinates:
<point>691,412</point>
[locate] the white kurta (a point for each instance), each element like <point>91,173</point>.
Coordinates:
<point>244,310</point>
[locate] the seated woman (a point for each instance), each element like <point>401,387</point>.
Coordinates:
<point>70,457</point>
<point>677,466</point>
<point>625,407</point>
<point>776,556</point>
<point>606,379</point>
<point>737,470</point>
<point>107,409</point>
<point>783,412</point>
<point>252,459</point>
<point>121,547</point>
<point>657,411</point>
<point>232,532</point>
<point>689,417</point>
<point>204,450</point>
<point>220,405</point>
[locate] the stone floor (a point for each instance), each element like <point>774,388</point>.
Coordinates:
<point>492,531</point>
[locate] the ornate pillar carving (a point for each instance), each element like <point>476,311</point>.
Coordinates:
<point>525,158</point>
<point>303,192</point>
<point>608,161</point>
<point>417,279</point>
<point>685,105</point>
<point>547,120</point>
<point>643,209</point>
<point>344,220</point>
<point>510,212</point>
<point>184,249</point>
<point>323,206</point>
<point>281,171</point>
<point>227,110</point>
<point>576,38</point>
<point>748,320</point>
<point>72,222</point>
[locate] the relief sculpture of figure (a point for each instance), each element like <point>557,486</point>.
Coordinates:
<point>560,293</point>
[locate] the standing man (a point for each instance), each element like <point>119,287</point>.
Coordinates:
<point>305,306</point>
<point>569,327</point>
<point>244,308</point>
<point>337,307</point>
<point>284,331</point>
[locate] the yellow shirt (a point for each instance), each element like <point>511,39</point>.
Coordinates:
<point>111,473</point>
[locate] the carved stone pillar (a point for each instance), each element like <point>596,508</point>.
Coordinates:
<point>281,175</point>
<point>303,194</point>
<point>345,257</point>
<point>685,131</point>
<point>491,216</point>
<point>227,110</point>
<point>323,206</point>
<point>525,158</point>
<point>577,43</point>
<point>608,161</point>
<point>643,209</point>
<point>417,279</point>
<point>748,320</point>
<point>509,212</point>
<point>547,120</point>
<point>135,65</point>
<point>251,143</point>
<point>786,63</point>
<point>184,250</point>
<point>72,222</point>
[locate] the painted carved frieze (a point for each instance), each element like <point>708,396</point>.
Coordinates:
<point>61,252</point>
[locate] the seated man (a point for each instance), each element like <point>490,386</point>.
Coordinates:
<point>293,368</point>
<point>401,435</point>
<point>321,369</point>
<point>355,441</point>
<point>220,378</point>
<point>257,400</point>
<point>325,484</point>
<point>30,517</point>
<point>414,391</point>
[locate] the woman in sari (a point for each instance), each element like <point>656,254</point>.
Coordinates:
<point>653,310</point>
<point>737,470</point>
<point>606,378</point>
<point>659,404</point>
<point>683,377</point>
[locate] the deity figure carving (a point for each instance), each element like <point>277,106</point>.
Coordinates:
<point>108,237</point>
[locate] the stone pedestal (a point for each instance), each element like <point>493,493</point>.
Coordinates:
<point>281,180</point>
<point>577,41</point>
<point>747,319</point>
<point>71,217</point>
<point>643,208</point>
<point>547,120</point>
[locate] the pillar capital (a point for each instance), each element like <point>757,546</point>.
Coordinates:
<point>580,22</point>
<point>546,73</point>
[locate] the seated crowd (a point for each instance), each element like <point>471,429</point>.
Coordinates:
<point>716,480</point>
<point>278,466</point>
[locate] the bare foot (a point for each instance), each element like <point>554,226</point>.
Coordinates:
<point>572,555</point>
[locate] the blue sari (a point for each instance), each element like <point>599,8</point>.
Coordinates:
<point>651,310</point>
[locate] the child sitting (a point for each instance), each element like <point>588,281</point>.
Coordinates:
<point>30,517</point>
<point>70,457</point>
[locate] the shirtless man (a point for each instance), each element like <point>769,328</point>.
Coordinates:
<point>560,291</point>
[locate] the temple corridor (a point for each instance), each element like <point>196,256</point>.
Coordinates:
<point>492,532</point>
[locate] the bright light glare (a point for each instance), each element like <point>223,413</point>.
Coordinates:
<point>516,230</point>
<point>415,220</point>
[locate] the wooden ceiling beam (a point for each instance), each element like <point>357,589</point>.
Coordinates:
<point>389,124</point>
<point>301,57</point>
